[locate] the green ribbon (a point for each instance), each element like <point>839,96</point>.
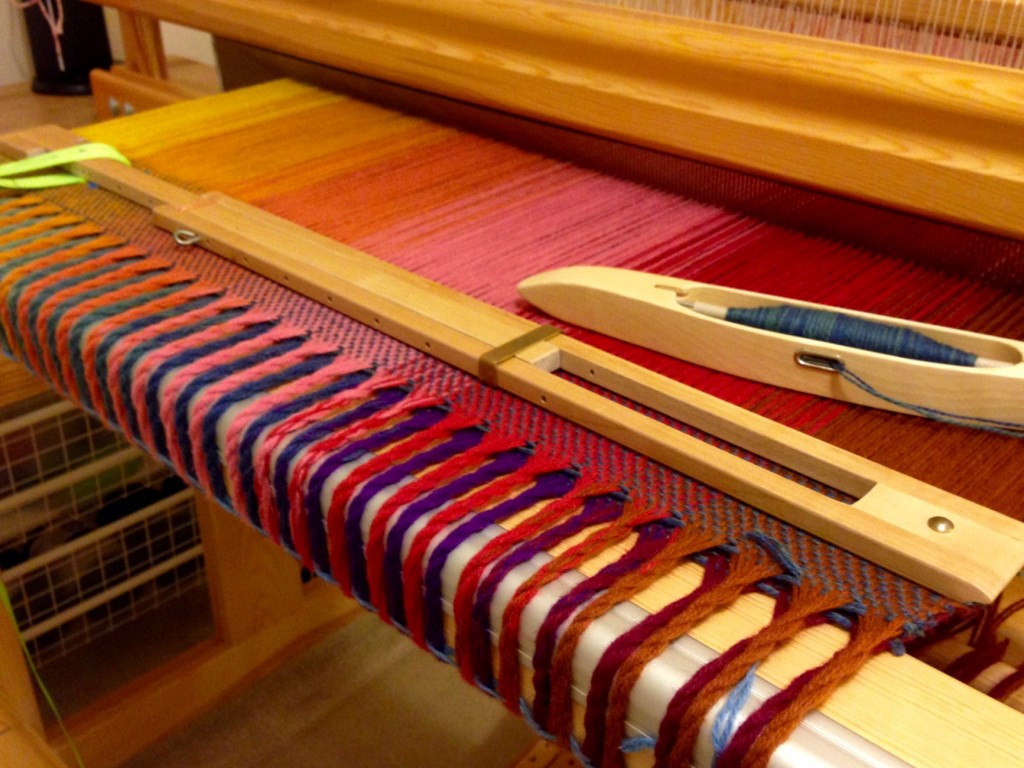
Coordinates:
<point>25,174</point>
<point>5,602</point>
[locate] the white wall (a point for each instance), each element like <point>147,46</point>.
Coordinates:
<point>16,61</point>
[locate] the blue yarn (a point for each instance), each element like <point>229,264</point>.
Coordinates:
<point>211,446</point>
<point>212,376</point>
<point>637,744</point>
<point>85,321</point>
<point>1006,428</point>
<point>267,420</point>
<point>781,555</point>
<point>18,287</point>
<point>50,330</point>
<point>131,359</point>
<point>837,328</point>
<point>725,723</point>
<point>189,355</point>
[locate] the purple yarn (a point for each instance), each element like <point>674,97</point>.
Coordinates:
<point>420,420</point>
<point>548,486</point>
<point>311,435</point>
<point>460,441</point>
<point>504,463</point>
<point>715,570</point>
<point>596,510</point>
<point>652,538</point>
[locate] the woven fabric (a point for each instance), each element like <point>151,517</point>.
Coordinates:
<point>343,462</point>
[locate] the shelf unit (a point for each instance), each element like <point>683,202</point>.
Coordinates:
<point>96,540</point>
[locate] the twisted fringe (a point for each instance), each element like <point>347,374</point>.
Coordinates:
<point>316,438</point>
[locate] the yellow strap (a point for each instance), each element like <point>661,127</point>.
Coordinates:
<point>24,174</point>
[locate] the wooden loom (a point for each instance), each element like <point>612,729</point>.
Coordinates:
<point>955,210</point>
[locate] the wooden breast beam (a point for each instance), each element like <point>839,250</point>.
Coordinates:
<point>922,134</point>
<point>889,523</point>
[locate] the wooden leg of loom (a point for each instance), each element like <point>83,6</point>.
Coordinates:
<point>143,44</point>
<point>264,614</point>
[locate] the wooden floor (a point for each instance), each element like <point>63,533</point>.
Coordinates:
<point>20,108</point>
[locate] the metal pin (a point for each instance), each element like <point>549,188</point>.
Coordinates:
<point>186,237</point>
<point>940,524</point>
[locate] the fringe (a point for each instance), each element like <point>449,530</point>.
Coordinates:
<point>374,486</point>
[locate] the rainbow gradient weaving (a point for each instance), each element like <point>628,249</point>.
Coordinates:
<point>417,489</point>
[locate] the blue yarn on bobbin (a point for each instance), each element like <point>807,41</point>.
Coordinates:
<point>837,328</point>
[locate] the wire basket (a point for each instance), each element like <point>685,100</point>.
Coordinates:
<point>93,533</point>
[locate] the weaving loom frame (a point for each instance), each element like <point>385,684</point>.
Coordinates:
<point>145,194</point>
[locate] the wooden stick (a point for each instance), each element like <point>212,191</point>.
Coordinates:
<point>931,136</point>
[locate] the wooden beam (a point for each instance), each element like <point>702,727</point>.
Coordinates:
<point>931,136</point>
<point>143,44</point>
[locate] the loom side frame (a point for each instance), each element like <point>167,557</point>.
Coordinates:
<point>921,134</point>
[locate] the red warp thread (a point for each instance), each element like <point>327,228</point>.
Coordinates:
<point>757,738</point>
<point>509,673</point>
<point>434,478</point>
<point>747,568</point>
<point>395,454</point>
<point>805,606</point>
<point>551,514</point>
<point>297,483</point>
<point>59,362</point>
<point>415,560</point>
<point>101,330</point>
<point>294,425</point>
<point>685,543</point>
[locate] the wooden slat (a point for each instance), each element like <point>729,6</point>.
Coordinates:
<point>143,44</point>
<point>18,383</point>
